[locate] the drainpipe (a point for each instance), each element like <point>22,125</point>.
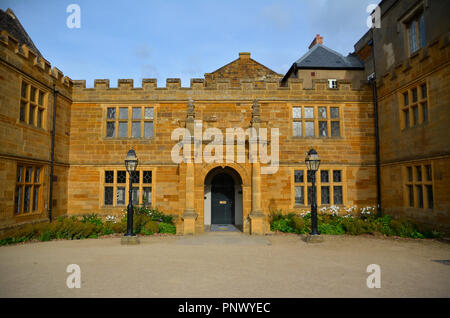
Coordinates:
<point>377,138</point>
<point>55,93</point>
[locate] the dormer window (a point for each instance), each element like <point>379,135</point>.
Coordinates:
<point>332,83</point>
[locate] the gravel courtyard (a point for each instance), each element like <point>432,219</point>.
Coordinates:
<point>227,265</point>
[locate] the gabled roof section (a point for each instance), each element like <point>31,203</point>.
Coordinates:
<point>12,25</point>
<point>322,57</point>
<point>242,68</point>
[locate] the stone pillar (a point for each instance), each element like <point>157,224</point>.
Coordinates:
<point>189,215</point>
<point>256,215</point>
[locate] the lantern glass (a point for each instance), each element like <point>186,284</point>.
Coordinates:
<point>131,161</point>
<point>312,160</point>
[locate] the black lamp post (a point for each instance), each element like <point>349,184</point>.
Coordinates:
<point>131,162</point>
<point>312,163</point>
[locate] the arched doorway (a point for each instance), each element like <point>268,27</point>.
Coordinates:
<point>223,197</point>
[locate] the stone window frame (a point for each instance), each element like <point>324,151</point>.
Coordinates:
<point>305,184</point>
<point>416,176</point>
<point>38,103</point>
<point>416,19</point>
<point>332,83</point>
<point>35,203</point>
<point>408,106</point>
<point>115,185</point>
<point>316,121</point>
<point>129,120</point>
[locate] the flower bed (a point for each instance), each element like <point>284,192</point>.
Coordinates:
<point>145,222</point>
<point>336,221</point>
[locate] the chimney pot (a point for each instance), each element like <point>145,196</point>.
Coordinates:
<point>317,40</point>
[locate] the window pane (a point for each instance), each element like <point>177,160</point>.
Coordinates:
<point>325,195</point>
<point>36,198</point>
<point>337,176</point>
<point>425,112</point>
<point>120,196</point>
<point>411,196</point>
<point>296,112</point>
<point>409,169</point>
<point>111,113</point>
<point>26,199</point>
<point>419,173</point>
<point>148,129</point>
<point>31,114</point>
<point>18,199</point>
<point>147,177</point>
<point>24,90</point>
<point>135,177</point>
<point>19,174</point>
<point>419,196</point>
<point>123,129</point>
<point>299,195</point>
<point>147,196</point>
<point>309,112</point>
<point>406,117</point>
<point>23,107</point>
<point>33,94</point>
<point>334,112</point>
<point>412,37</point>
<point>322,112</point>
<point>41,98</point>
<point>28,174</point>
<point>323,129</point>
<point>135,193</point>
<point>415,115</point>
<point>335,129</point>
<point>109,176</point>
<point>121,176</point>
<point>137,113</point>
<point>405,99</point>
<point>422,31</point>
<point>136,130</point>
<point>309,129</point>
<point>148,112</point>
<point>337,197</point>
<point>430,196</point>
<point>110,129</point>
<point>37,175</point>
<point>39,118</point>
<point>324,176</point>
<point>297,128</point>
<point>414,94</point>
<point>429,173</point>
<point>423,90</point>
<point>298,176</point>
<point>123,113</point>
<point>109,195</point>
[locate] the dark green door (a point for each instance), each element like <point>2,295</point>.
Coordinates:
<point>222,199</point>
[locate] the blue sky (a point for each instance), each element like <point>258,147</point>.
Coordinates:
<point>184,38</point>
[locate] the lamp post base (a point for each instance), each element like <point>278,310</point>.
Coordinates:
<point>314,238</point>
<point>129,240</point>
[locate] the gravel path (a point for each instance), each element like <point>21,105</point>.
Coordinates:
<point>227,265</point>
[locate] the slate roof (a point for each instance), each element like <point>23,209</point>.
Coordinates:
<point>321,57</point>
<point>10,23</point>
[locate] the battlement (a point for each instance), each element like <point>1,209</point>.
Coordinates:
<point>28,56</point>
<point>293,84</point>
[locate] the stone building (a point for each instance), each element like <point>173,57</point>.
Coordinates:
<point>324,101</point>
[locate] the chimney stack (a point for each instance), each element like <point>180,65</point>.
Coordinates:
<point>317,40</point>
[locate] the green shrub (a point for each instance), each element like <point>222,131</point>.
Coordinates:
<point>167,228</point>
<point>331,229</point>
<point>150,228</point>
<point>298,224</point>
<point>92,219</point>
<point>282,225</point>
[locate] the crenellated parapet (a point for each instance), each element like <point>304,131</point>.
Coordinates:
<point>28,61</point>
<point>198,84</point>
